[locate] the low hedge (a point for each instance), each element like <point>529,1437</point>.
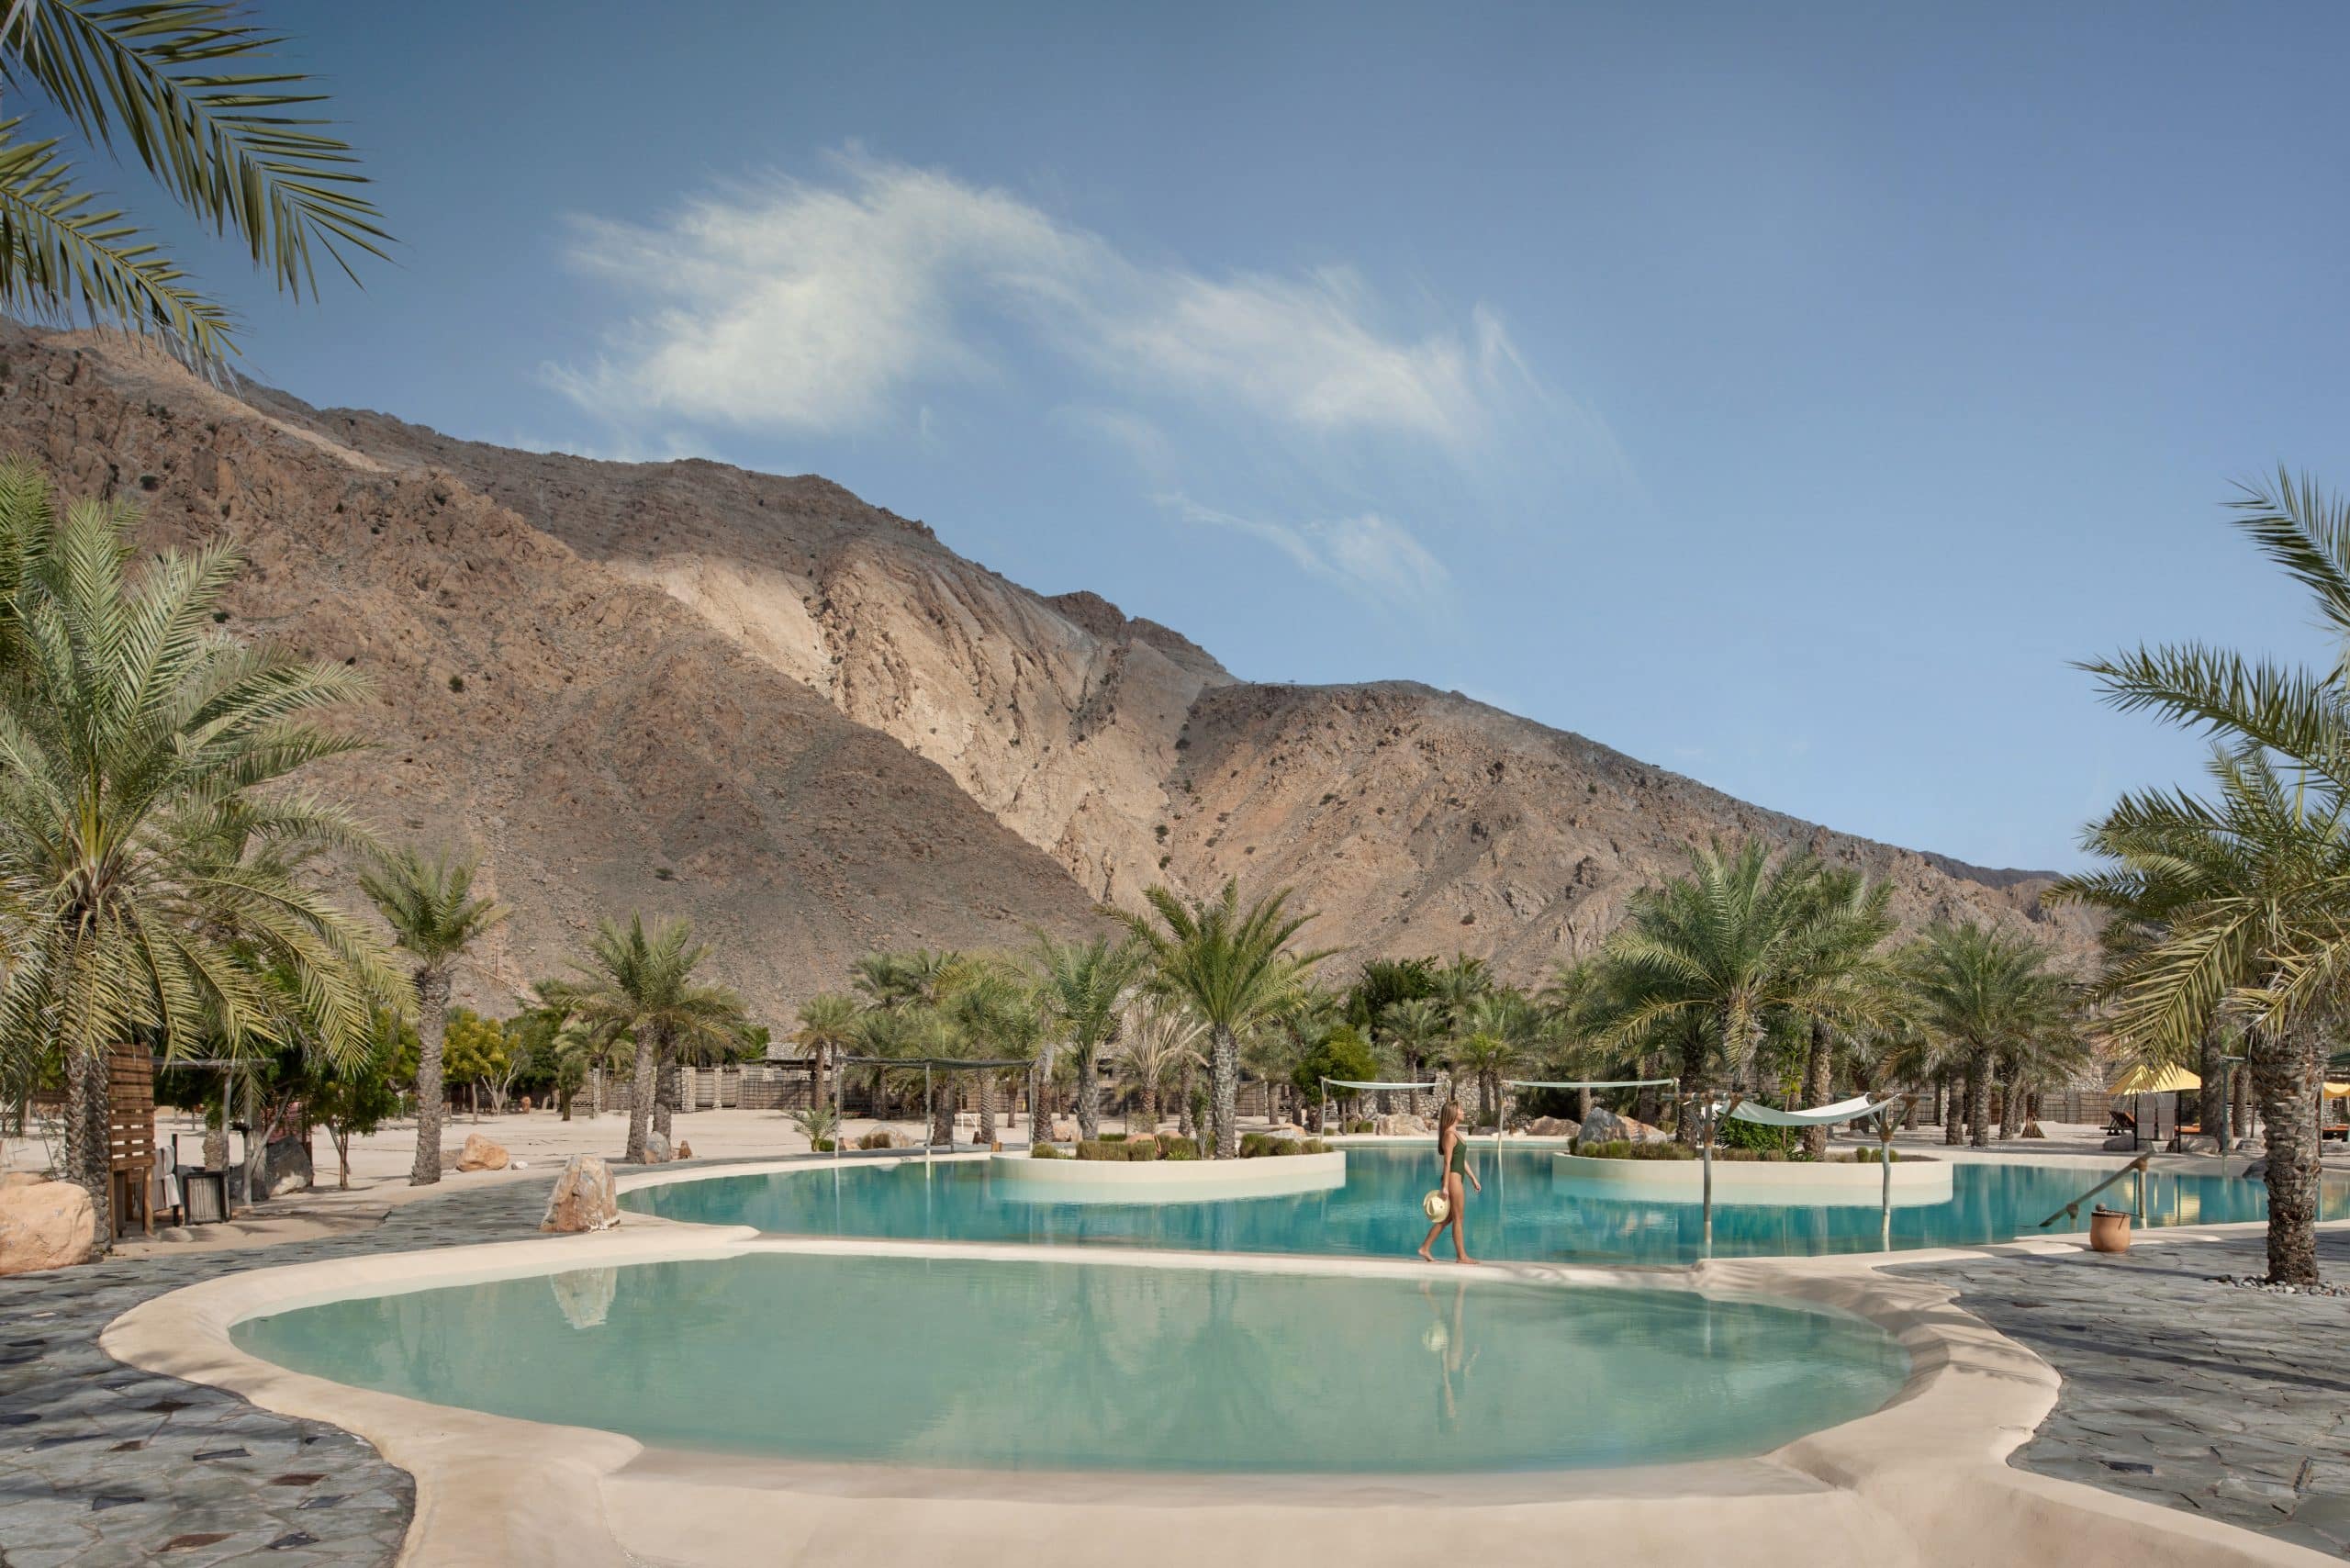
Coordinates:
<point>1046,1151</point>
<point>1619,1148</point>
<point>1117,1148</point>
<point>1263,1146</point>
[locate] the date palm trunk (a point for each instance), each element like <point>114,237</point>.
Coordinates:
<point>2285,1076</point>
<point>987,1108</point>
<point>1978,1101</point>
<point>87,1165</point>
<point>666,1084</point>
<point>1224,1087</point>
<point>1088,1095</point>
<point>431,1096</point>
<point>1817,1061</point>
<point>1953,1112</point>
<point>640,1099</point>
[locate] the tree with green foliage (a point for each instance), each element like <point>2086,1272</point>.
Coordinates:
<point>1159,1042</point>
<point>1496,1035</point>
<point>196,95</point>
<point>1415,1030</point>
<point>155,842</point>
<point>827,1028</point>
<point>1080,991</point>
<point>355,1098</point>
<point>1233,967</point>
<point>475,1051</point>
<point>1341,1053</point>
<point>1993,996</point>
<point>1705,966</point>
<point>429,902</point>
<point>642,984</point>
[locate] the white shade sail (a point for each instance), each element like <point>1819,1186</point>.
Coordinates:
<point>1825,1117</point>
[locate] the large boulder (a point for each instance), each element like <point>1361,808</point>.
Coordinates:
<point>46,1224</point>
<point>287,1167</point>
<point>1402,1124</point>
<point>1553,1126</point>
<point>583,1197</point>
<point>656,1149</point>
<point>481,1154</point>
<point>1603,1125</point>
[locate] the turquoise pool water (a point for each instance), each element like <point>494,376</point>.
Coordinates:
<point>964,1363</point>
<point>1527,1212</point>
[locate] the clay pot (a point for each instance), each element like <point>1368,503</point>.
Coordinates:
<point>2110,1230</point>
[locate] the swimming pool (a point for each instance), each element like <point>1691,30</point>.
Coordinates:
<point>1102,1366</point>
<point>1528,1210</point>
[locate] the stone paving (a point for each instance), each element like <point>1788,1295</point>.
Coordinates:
<point>2217,1400</point>
<point>104,1464</point>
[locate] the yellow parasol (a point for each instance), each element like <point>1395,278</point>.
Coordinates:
<point>2168,1080</point>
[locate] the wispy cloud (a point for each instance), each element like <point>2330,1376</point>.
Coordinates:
<point>1372,557</point>
<point>826,306</point>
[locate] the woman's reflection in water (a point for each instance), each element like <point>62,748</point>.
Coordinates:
<point>1447,1341</point>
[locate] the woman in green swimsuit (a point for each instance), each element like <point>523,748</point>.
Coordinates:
<point>1452,1156</point>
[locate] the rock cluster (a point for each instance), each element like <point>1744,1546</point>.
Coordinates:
<point>1603,1125</point>
<point>1554,1126</point>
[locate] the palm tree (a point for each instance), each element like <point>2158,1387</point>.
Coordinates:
<point>993,1009</point>
<point>1711,962</point>
<point>1233,968</point>
<point>241,150</point>
<point>2243,894</point>
<point>1991,995</point>
<point>1160,1039</point>
<point>1494,1037</point>
<point>151,854</point>
<point>430,905</point>
<point>827,1027</point>
<point>1412,1030</point>
<point>1080,993</point>
<point>642,984</point>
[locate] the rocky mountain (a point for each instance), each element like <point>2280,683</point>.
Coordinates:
<point>813,727</point>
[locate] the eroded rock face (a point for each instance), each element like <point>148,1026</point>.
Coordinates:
<point>815,728</point>
<point>583,1199</point>
<point>45,1225</point>
<point>1553,1126</point>
<point>481,1154</point>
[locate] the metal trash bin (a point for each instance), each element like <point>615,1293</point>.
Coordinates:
<point>204,1194</point>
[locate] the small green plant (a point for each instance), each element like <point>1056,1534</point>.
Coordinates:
<point>456,683</point>
<point>1114,1137</point>
<point>1047,1151</point>
<point>821,1124</point>
<point>1360,1125</point>
<point>1173,1146</point>
<point>822,1144</point>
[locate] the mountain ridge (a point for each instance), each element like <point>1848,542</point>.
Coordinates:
<point>1112,749</point>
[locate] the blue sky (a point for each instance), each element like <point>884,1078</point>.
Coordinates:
<point>1779,395</point>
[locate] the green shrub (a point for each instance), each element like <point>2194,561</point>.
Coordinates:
<point>1046,1151</point>
<point>1263,1146</point>
<point>1113,1138</point>
<point>1171,1146</point>
<point>878,1139</point>
<point>823,1145</point>
<point>1868,1156</point>
<point>1734,1133</point>
<point>1360,1125</point>
<point>1145,1148</point>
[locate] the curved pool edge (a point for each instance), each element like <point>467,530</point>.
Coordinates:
<point>498,1488</point>
<point>1167,1180</point>
<point>1916,1181</point>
